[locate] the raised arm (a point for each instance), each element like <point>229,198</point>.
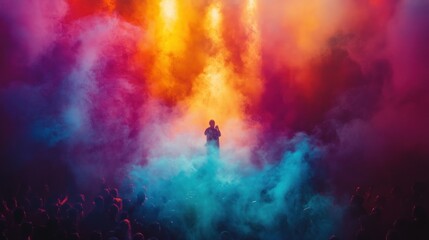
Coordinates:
<point>218,131</point>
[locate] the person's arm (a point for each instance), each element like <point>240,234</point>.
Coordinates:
<point>218,131</point>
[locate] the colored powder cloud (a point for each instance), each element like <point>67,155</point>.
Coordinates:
<point>312,98</point>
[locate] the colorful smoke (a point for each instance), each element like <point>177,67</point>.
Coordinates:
<point>312,98</point>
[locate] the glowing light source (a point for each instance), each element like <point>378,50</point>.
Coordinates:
<point>168,11</point>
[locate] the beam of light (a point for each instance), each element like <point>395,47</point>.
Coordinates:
<point>214,95</point>
<point>170,33</point>
<point>252,54</point>
<point>169,12</point>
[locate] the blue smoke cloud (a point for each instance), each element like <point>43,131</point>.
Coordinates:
<point>211,198</point>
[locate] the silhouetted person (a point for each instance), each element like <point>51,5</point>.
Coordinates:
<point>124,230</point>
<point>95,220</point>
<point>26,230</point>
<point>3,227</point>
<point>138,236</point>
<point>111,216</point>
<point>420,223</point>
<point>212,134</point>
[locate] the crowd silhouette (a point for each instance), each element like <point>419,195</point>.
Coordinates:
<point>30,214</point>
<point>105,214</point>
<point>401,214</point>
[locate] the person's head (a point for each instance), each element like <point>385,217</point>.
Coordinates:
<point>125,225</point>
<point>126,204</point>
<point>3,206</point>
<point>419,213</point>
<point>114,192</point>
<point>333,237</point>
<point>105,193</point>
<point>138,236</point>
<point>12,203</point>
<point>393,234</point>
<point>141,198</point>
<point>356,200</point>
<point>212,123</point>
<point>79,208</point>
<point>359,191</point>
<point>79,198</point>
<point>18,215</point>
<point>3,224</point>
<point>99,201</point>
<point>72,214</point>
<point>64,210</point>
<point>36,203</point>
